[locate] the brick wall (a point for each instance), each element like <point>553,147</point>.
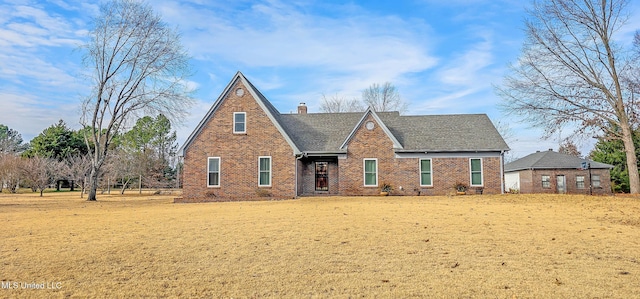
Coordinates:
<point>367,144</point>
<point>531,181</point>
<point>404,173</point>
<point>239,155</point>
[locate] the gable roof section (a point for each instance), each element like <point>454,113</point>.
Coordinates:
<point>445,133</point>
<point>370,111</point>
<point>261,100</point>
<point>551,160</point>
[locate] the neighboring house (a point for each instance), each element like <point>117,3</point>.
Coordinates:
<point>553,172</point>
<point>245,149</point>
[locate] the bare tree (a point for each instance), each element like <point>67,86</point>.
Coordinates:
<point>571,72</point>
<point>335,104</point>
<point>123,167</point>
<point>40,172</point>
<point>384,98</point>
<point>569,148</point>
<point>78,168</point>
<point>509,137</point>
<point>10,171</point>
<point>137,66</point>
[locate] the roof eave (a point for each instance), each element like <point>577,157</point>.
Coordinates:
<point>449,150</point>
<point>323,153</point>
<point>551,168</point>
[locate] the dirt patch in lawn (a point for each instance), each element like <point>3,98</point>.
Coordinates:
<point>463,246</point>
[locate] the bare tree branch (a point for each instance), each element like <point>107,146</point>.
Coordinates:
<point>571,72</point>
<point>335,104</point>
<point>138,66</point>
<point>384,98</point>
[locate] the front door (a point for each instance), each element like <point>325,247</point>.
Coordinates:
<point>561,184</point>
<point>322,176</point>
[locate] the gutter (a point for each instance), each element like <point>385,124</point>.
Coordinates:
<point>322,153</point>
<point>448,151</point>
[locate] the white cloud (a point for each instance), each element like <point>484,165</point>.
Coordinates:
<point>274,34</point>
<point>465,70</point>
<point>38,67</point>
<point>30,115</point>
<point>22,68</point>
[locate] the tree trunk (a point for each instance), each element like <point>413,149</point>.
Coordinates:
<point>632,160</point>
<point>84,186</point>
<point>93,184</point>
<point>124,186</point>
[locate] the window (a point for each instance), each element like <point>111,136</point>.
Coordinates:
<point>546,181</point>
<point>425,172</point>
<point>264,171</point>
<point>213,179</point>
<point>595,181</point>
<point>476,172</point>
<point>239,122</point>
<point>370,172</point>
<point>580,182</point>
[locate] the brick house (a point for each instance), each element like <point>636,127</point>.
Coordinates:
<point>553,172</point>
<point>244,149</point>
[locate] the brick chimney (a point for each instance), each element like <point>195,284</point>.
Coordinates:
<point>302,108</point>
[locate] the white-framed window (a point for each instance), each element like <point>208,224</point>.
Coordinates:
<point>264,171</point>
<point>546,181</point>
<point>425,172</point>
<point>239,122</point>
<point>370,172</point>
<point>595,181</point>
<point>475,165</point>
<point>580,181</point>
<point>213,171</point>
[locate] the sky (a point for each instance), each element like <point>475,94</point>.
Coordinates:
<point>444,57</point>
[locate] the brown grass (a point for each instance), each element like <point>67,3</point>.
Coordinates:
<point>505,246</point>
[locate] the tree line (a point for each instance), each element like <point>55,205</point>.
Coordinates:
<point>142,157</point>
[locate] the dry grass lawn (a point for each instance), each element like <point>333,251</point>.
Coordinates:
<point>507,246</point>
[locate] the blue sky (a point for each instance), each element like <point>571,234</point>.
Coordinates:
<point>443,56</point>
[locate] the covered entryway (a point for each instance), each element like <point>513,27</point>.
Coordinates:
<point>319,176</point>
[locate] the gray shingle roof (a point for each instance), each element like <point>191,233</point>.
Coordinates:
<point>551,160</point>
<point>326,132</point>
<point>445,133</point>
<point>317,132</point>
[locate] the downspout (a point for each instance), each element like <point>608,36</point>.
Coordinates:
<point>502,172</point>
<point>298,157</point>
